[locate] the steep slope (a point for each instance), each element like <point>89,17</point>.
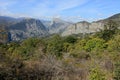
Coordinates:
<point>76,28</point>
<point>86,27</point>
<point>115,17</point>
<point>27,28</point>
<point>7,21</point>
<point>58,26</point>
<point>22,28</point>
<point>46,23</point>
<point>5,36</point>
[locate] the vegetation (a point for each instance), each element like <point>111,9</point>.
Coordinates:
<point>117,71</point>
<point>97,74</point>
<point>95,57</point>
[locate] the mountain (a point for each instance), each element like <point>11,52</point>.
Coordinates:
<point>23,28</point>
<point>27,28</point>
<point>6,21</point>
<point>4,36</point>
<point>46,23</point>
<point>115,17</point>
<point>83,27</point>
<point>86,27</point>
<point>56,25</point>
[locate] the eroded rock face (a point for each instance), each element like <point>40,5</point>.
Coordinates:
<point>86,27</point>
<point>5,36</point>
<point>27,28</point>
<point>22,28</point>
<point>83,27</point>
<point>96,26</point>
<point>58,26</point>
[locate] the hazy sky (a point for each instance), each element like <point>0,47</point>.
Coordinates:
<point>69,9</point>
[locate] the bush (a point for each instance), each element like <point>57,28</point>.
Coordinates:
<point>67,47</point>
<point>70,39</point>
<point>117,71</point>
<point>96,74</point>
<point>79,46</point>
<point>110,29</point>
<point>55,46</point>
<point>94,44</point>
<point>114,44</point>
<point>27,48</point>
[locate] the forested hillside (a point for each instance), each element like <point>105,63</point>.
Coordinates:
<point>88,57</point>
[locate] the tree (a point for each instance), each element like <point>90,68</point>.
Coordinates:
<point>96,74</point>
<point>110,28</point>
<point>27,48</point>
<point>70,39</point>
<point>94,44</point>
<point>55,46</point>
<point>117,71</point>
<point>114,44</point>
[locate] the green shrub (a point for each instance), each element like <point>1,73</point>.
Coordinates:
<point>95,44</point>
<point>67,47</point>
<point>96,74</point>
<point>117,71</point>
<point>114,44</point>
<point>80,44</point>
<point>55,46</point>
<point>110,29</point>
<point>70,39</point>
<point>27,48</point>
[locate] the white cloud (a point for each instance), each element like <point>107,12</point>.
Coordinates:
<point>41,7</point>
<point>4,7</point>
<point>54,7</point>
<point>66,4</point>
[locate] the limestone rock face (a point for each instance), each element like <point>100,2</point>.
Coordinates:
<point>27,28</point>
<point>80,27</point>
<point>23,28</point>
<point>83,27</point>
<point>86,27</point>
<point>96,26</point>
<point>4,36</point>
<point>58,26</point>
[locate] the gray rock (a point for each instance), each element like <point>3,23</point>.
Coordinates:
<point>27,28</point>
<point>57,26</point>
<point>86,27</point>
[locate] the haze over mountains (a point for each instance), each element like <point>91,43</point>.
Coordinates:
<point>22,28</point>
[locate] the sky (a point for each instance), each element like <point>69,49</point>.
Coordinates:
<point>76,10</point>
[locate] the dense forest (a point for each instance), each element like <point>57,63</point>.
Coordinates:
<point>88,57</point>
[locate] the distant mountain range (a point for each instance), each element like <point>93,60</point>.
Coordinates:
<point>86,27</point>
<point>22,28</point>
<point>58,26</point>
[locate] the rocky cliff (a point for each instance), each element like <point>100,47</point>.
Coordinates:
<point>27,28</point>
<point>23,28</point>
<point>56,25</point>
<point>86,27</point>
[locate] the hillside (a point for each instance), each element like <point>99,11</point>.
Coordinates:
<point>86,27</point>
<point>22,28</point>
<point>92,57</point>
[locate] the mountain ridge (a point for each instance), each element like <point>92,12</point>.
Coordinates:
<point>86,27</point>
<point>22,28</point>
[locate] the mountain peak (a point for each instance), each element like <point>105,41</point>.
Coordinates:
<point>83,22</point>
<point>115,16</point>
<point>57,20</point>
